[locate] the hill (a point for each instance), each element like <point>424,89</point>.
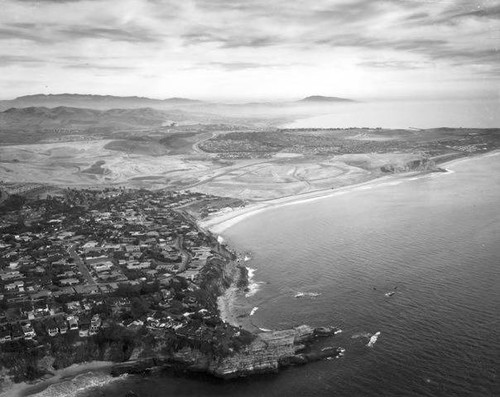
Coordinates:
<point>323,99</point>
<point>32,124</point>
<point>101,102</point>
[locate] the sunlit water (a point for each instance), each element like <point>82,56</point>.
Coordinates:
<point>406,114</point>
<point>434,241</point>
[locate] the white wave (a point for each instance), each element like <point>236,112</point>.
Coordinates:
<point>265,329</point>
<point>80,383</point>
<point>253,286</point>
<point>253,311</point>
<point>309,294</point>
<point>373,339</point>
<point>361,335</point>
<point>247,258</point>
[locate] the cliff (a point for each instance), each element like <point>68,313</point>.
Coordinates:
<point>267,353</point>
<point>423,164</point>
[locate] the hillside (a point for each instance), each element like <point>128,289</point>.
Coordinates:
<point>101,102</point>
<point>39,118</point>
<point>315,99</point>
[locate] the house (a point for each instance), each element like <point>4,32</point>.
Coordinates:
<point>102,266</point>
<point>28,331</point>
<point>95,324</point>
<point>84,327</point>
<point>51,327</point>
<point>72,322</point>
<point>61,324</point>
<point>5,333</point>
<point>69,281</point>
<point>142,265</point>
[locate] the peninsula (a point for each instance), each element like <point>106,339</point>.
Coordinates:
<point>126,276</point>
<point>109,222</point>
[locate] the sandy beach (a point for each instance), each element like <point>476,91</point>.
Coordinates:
<point>24,389</point>
<point>219,222</point>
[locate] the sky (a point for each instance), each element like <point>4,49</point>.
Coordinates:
<point>227,50</point>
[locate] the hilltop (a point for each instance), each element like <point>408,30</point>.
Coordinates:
<point>324,99</point>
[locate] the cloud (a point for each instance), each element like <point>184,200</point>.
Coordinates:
<point>176,40</point>
<point>22,34</point>
<point>234,66</point>
<point>487,12</point>
<point>89,66</point>
<point>394,64</point>
<point>9,60</point>
<point>128,34</point>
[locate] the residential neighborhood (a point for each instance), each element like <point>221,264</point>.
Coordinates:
<point>75,265</point>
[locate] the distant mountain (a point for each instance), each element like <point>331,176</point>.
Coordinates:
<point>323,99</point>
<point>43,118</point>
<point>101,102</point>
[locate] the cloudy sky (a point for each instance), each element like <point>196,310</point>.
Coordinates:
<point>251,49</point>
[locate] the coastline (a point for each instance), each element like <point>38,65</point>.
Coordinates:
<point>25,389</point>
<point>225,300</point>
<point>220,222</point>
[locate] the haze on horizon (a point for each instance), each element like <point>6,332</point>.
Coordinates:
<point>251,50</point>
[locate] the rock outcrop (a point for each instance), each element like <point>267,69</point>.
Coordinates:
<point>267,353</point>
<point>423,164</point>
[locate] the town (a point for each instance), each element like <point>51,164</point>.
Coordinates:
<point>82,273</point>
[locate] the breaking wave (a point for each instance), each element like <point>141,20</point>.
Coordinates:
<point>253,286</point>
<point>78,386</point>
<point>373,339</point>
<point>308,294</point>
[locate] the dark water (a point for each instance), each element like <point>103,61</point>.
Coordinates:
<point>434,241</point>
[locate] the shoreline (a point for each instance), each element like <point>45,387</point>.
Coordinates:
<point>219,223</point>
<point>25,389</point>
<point>226,300</point>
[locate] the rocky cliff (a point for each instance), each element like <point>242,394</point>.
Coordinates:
<point>267,353</point>
<point>423,164</point>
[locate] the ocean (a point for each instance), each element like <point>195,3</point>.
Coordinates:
<point>416,259</point>
<point>467,113</point>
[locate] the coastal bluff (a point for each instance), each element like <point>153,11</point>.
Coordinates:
<point>267,353</point>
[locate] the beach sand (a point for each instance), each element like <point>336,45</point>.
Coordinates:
<point>219,222</point>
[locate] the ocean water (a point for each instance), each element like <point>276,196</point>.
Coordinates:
<point>472,113</point>
<point>433,240</point>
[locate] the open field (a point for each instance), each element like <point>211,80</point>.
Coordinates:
<point>215,155</point>
<point>93,163</point>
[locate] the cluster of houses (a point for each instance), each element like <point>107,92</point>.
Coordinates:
<point>51,326</point>
<point>54,271</point>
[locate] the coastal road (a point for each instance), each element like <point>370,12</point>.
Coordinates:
<point>81,266</point>
<point>186,258</point>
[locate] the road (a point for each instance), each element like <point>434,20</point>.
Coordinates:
<point>81,266</point>
<point>184,254</point>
